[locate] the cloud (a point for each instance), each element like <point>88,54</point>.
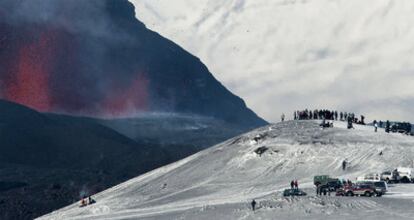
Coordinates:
<point>283,55</point>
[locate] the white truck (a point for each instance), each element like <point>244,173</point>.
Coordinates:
<point>401,174</point>
<point>405,174</point>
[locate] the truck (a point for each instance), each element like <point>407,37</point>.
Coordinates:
<point>326,183</point>
<point>405,174</point>
<point>399,175</point>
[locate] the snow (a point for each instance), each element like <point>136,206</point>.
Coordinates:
<point>340,54</point>
<point>219,183</point>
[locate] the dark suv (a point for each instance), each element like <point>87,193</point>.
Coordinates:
<point>332,186</point>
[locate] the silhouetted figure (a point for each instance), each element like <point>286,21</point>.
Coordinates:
<point>253,205</point>
<point>387,126</point>
<point>380,153</point>
<point>350,123</point>
<point>344,163</point>
<point>292,184</point>
<point>83,202</point>
<point>362,120</point>
<point>375,126</point>
<point>282,117</point>
<point>90,200</point>
<point>296,184</point>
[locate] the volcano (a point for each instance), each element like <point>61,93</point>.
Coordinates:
<point>94,58</point>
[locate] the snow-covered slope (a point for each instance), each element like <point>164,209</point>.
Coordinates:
<point>343,54</point>
<point>218,183</point>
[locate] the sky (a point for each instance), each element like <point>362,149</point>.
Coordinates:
<point>285,55</point>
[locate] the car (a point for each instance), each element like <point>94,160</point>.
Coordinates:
<point>293,192</point>
<point>364,189</point>
<point>381,187</point>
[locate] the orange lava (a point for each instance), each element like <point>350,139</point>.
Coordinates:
<point>30,83</point>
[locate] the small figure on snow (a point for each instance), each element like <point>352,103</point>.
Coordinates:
<point>91,201</point>
<point>387,126</point>
<point>296,184</point>
<point>292,184</point>
<point>350,126</point>
<point>282,117</point>
<point>375,126</point>
<point>83,202</point>
<point>344,163</point>
<point>253,205</point>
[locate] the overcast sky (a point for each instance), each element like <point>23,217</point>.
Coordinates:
<point>283,55</point>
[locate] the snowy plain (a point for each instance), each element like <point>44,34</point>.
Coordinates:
<point>220,182</point>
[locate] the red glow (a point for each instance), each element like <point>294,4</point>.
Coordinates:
<point>129,100</point>
<point>30,83</point>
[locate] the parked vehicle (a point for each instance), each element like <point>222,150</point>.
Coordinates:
<point>327,183</point>
<point>365,189</point>
<point>390,176</point>
<point>293,192</point>
<point>405,174</point>
<point>386,176</point>
<point>370,177</point>
<point>331,186</point>
<point>401,127</point>
<point>321,180</point>
<point>380,186</point>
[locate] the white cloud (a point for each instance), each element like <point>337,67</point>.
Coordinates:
<point>282,55</point>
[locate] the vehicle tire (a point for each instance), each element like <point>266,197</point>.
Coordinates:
<point>379,194</point>
<point>349,193</point>
<point>367,194</point>
<point>405,180</point>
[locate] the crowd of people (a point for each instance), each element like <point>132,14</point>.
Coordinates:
<point>327,115</point>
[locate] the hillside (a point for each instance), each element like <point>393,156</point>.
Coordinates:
<point>48,161</point>
<point>221,181</point>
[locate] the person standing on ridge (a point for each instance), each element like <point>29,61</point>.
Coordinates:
<point>375,126</point>
<point>282,117</point>
<point>350,123</point>
<point>296,184</point>
<point>292,184</point>
<point>253,205</point>
<point>387,126</point>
